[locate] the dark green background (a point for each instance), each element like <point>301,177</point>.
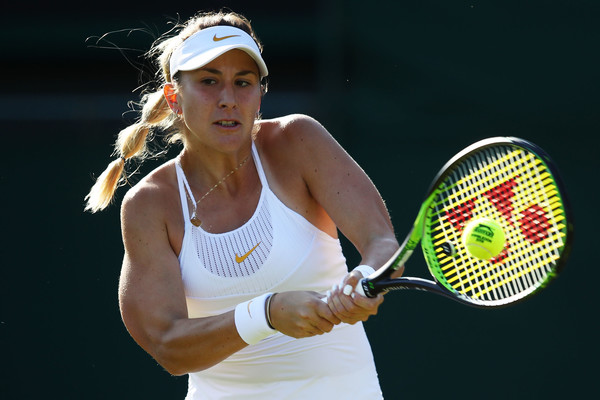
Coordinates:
<point>402,85</point>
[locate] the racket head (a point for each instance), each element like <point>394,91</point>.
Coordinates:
<point>515,183</point>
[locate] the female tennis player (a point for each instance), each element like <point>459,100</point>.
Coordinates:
<point>231,246</point>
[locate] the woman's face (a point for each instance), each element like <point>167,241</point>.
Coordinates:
<point>220,101</point>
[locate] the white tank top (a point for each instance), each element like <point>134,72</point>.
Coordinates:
<point>277,250</point>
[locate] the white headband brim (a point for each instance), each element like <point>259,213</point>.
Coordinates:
<point>207,44</point>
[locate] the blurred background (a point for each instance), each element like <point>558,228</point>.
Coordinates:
<point>403,85</point>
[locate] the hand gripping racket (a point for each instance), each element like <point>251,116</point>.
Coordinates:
<point>506,179</point>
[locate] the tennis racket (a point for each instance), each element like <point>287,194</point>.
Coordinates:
<point>506,179</point>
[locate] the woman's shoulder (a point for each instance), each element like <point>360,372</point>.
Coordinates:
<point>154,191</point>
<point>289,124</point>
<point>294,130</point>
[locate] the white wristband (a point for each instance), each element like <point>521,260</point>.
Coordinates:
<point>251,319</point>
<point>365,270</point>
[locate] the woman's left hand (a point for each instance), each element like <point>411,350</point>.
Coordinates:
<point>349,306</point>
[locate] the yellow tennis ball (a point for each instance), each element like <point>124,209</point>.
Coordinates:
<point>483,238</point>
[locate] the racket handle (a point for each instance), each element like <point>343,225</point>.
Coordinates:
<point>359,288</point>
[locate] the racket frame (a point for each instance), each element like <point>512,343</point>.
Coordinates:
<point>381,281</point>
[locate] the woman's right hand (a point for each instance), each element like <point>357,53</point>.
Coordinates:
<point>301,314</point>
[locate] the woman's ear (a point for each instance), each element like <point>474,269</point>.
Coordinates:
<point>171,97</point>
<point>258,114</point>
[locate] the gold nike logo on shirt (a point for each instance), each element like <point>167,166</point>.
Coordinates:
<point>218,39</point>
<point>241,259</point>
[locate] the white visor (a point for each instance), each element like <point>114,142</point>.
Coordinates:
<point>207,44</point>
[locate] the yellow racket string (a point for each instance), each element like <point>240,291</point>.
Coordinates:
<point>513,187</point>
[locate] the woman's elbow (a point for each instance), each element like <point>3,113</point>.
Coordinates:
<point>176,359</point>
<point>172,360</point>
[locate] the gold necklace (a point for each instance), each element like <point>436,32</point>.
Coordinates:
<point>195,220</point>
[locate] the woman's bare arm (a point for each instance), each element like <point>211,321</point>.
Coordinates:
<point>350,198</point>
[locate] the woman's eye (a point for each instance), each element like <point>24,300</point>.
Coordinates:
<point>208,81</point>
<point>243,83</point>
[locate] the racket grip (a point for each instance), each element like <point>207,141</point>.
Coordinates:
<point>359,288</point>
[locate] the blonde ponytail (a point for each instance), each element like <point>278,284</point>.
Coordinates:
<point>101,194</point>
<point>131,143</point>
